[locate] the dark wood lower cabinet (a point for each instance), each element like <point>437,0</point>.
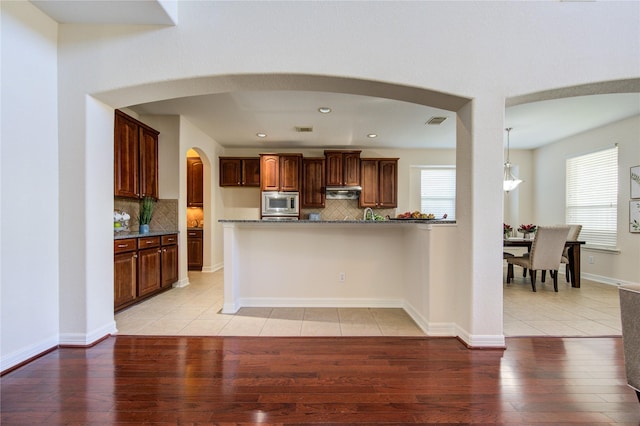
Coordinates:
<point>195,245</point>
<point>143,267</point>
<point>125,272</point>
<point>148,271</point>
<point>169,262</point>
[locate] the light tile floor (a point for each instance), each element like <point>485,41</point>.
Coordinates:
<point>592,310</point>
<point>195,310</point>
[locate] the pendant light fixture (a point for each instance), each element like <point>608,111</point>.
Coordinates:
<point>510,182</point>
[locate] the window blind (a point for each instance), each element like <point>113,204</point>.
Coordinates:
<point>592,197</point>
<point>438,191</point>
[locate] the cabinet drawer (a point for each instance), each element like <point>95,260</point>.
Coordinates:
<point>168,240</point>
<point>148,242</point>
<point>194,234</point>
<point>122,246</point>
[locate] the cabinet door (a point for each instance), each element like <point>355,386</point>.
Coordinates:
<point>125,176</point>
<point>194,250</point>
<point>351,167</point>
<point>290,168</point>
<point>194,182</point>
<point>251,172</point>
<point>335,170</point>
<point>270,172</point>
<point>125,276</point>
<point>313,170</point>
<point>148,271</point>
<point>169,261</point>
<point>388,183</point>
<point>148,163</point>
<point>230,172</point>
<point>369,182</point>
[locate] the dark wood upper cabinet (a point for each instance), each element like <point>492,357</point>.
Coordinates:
<point>342,168</point>
<point>280,172</point>
<point>290,168</point>
<point>135,158</point>
<point>195,181</point>
<point>250,171</point>
<point>313,177</point>
<point>126,150</point>
<point>239,171</point>
<point>148,162</point>
<point>379,180</point>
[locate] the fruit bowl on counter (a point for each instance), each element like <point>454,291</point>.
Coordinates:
<point>416,215</point>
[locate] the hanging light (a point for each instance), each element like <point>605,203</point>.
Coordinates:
<point>510,182</point>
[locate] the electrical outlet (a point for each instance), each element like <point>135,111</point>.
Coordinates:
<point>591,260</point>
<point>341,277</point>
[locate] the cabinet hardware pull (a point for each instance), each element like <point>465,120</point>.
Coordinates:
<point>122,245</point>
<point>135,256</point>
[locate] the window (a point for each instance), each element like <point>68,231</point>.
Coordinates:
<point>438,191</point>
<point>592,197</point>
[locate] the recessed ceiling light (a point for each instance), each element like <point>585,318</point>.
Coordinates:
<point>261,135</point>
<point>372,135</point>
<point>324,110</point>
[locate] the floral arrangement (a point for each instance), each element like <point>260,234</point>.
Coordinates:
<point>506,229</point>
<point>527,229</point>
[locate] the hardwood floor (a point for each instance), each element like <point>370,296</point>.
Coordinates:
<point>302,380</point>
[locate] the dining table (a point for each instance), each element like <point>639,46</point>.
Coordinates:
<point>573,252</point>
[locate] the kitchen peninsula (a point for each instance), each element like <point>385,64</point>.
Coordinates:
<point>353,263</point>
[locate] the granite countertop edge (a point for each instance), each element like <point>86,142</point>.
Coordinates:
<point>133,234</point>
<point>333,222</point>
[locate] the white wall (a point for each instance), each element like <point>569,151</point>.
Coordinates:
<point>550,179</point>
<point>29,179</point>
<point>395,44</point>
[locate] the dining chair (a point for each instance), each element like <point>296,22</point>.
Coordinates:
<point>545,254</point>
<point>574,233</point>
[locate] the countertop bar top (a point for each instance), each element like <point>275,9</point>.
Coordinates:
<point>354,222</point>
<point>133,234</point>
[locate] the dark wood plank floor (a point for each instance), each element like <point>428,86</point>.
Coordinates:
<point>158,380</point>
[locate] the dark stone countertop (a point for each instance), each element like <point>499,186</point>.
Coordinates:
<point>121,235</point>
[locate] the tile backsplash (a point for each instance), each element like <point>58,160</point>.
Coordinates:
<point>343,209</point>
<point>165,214</point>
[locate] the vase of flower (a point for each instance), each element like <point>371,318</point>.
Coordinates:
<point>527,230</point>
<point>506,230</point>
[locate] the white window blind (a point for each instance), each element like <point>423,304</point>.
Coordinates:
<point>592,197</point>
<point>438,191</point>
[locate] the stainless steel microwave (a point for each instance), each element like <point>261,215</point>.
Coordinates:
<point>285,204</point>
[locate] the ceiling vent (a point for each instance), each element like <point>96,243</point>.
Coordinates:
<point>303,129</point>
<point>436,121</point>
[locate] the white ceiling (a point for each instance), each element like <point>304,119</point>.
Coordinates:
<point>233,119</point>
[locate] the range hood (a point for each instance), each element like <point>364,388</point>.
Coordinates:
<point>343,192</point>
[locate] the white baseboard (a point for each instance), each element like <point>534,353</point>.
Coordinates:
<point>274,302</point>
<point>213,268</point>
<point>605,280</point>
<point>181,283</point>
<point>481,340</point>
<point>82,339</point>
<point>14,358</point>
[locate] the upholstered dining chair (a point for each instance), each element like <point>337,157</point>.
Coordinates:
<point>574,233</point>
<point>545,255</point>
